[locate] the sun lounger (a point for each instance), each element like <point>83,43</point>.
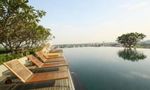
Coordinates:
<point>51,49</point>
<point>26,76</point>
<point>40,64</point>
<point>44,59</point>
<point>51,55</point>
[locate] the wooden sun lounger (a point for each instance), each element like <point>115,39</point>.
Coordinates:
<point>26,76</point>
<point>51,49</point>
<point>40,64</point>
<point>56,50</point>
<point>44,59</point>
<point>51,55</point>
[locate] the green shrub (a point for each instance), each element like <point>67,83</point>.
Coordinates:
<point>7,57</point>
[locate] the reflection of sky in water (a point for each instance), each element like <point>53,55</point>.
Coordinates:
<point>102,69</point>
<point>134,74</point>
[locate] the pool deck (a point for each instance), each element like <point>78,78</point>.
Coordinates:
<point>63,84</point>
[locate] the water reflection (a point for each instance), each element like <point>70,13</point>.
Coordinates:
<point>131,54</point>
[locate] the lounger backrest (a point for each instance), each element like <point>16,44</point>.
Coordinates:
<point>40,54</point>
<point>44,56</point>
<point>35,60</point>
<point>19,69</point>
<point>44,50</point>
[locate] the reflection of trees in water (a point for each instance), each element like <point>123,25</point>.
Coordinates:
<point>132,55</point>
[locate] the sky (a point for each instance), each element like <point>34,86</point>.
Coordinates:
<point>88,21</point>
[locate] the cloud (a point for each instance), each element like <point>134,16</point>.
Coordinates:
<point>136,5</point>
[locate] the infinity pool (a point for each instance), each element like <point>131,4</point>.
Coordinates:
<point>108,68</point>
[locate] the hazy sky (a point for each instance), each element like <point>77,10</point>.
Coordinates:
<point>82,21</point>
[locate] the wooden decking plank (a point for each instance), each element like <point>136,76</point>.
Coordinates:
<point>61,83</point>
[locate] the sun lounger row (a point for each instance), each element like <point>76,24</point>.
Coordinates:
<point>41,60</point>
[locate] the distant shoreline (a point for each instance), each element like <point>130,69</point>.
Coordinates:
<point>98,45</point>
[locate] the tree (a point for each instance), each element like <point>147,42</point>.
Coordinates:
<point>19,28</point>
<point>130,40</point>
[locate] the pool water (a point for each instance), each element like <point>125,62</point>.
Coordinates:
<point>110,68</point>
